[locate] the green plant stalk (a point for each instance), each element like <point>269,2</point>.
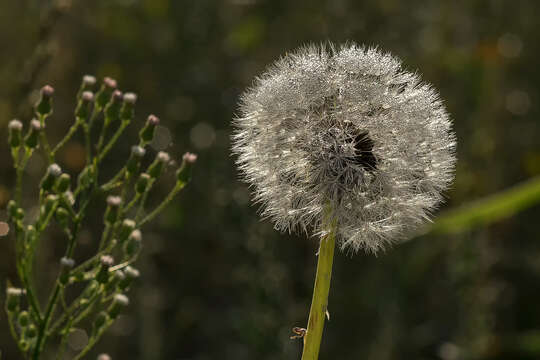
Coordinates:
<point>177,188</point>
<point>93,340</point>
<point>319,303</point>
<point>489,209</point>
<point>68,136</point>
<point>113,140</point>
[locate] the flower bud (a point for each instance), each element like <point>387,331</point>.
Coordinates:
<point>24,345</point>
<point>13,297</point>
<point>32,137</point>
<point>24,318</point>
<point>44,104</point>
<point>128,107</point>
<point>53,172</point>
<point>15,133</point>
<point>30,233</point>
<point>104,357</point>
<point>142,183</point>
<point>130,274</point>
<point>147,132</point>
<point>106,261</point>
<point>87,84</point>
<point>66,264</point>
<point>134,161</point>
<point>126,229</point>
<point>117,277</point>
<point>19,214</point>
<point>83,106</point>
<point>50,202</point>
<point>156,167</point>
<point>12,209</point>
<point>62,217</point>
<point>101,319</point>
<point>104,94</point>
<point>86,177</point>
<point>120,301</point>
<point>112,109</point>
<point>183,174</point>
<point>113,208</point>
<point>133,244</point>
<point>63,183</point>
<point>30,332</point>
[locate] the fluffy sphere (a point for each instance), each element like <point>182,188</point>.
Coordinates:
<point>346,133</point>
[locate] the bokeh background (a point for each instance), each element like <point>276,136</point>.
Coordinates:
<point>217,283</point>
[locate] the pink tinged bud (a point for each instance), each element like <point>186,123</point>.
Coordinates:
<point>120,301</point>
<point>89,80</point>
<point>147,132</point>
<point>15,133</point>
<point>32,138</point>
<point>44,105</point>
<point>183,174</point>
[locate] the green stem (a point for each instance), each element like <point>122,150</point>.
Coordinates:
<point>68,136</point>
<point>319,303</point>
<point>45,323</point>
<point>113,141</point>
<point>93,340</point>
<point>179,186</point>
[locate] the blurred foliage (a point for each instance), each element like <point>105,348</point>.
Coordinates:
<point>217,283</point>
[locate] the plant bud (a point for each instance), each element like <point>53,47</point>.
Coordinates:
<point>86,177</point>
<point>32,137</point>
<point>44,105</point>
<point>63,183</point>
<point>83,106</point>
<point>113,208</point>
<point>24,318</point>
<point>87,84</point>
<point>13,297</point>
<point>30,233</point>
<point>134,161</point>
<point>12,209</point>
<point>133,244</point>
<point>147,132</point>
<point>62,217</point>
<point>117,277</point>
<point>126,229</point>
<point>24,345</point>
<point>104,94</point>
<point>19,214</point>
<point>50,201</point>
<point>30,332</point>
<point>127,112</point>
<point>142,183</point>
<point>15,133</point>
<point>120,301</point>
<point>183,174</point>
<point>53,172</point>
<point>156,167</point>
<point>101,319</point>
<point>66,264</point>
<point>112,109</point>
<point>106,261</point>
<point>104,357</point>
<point>130,274</point>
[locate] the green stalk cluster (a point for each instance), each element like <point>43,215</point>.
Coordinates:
<point>107,275</point>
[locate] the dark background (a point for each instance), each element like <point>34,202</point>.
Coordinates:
<point>217,283</point>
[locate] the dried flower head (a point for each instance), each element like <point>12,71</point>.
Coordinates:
<point>346,131</point>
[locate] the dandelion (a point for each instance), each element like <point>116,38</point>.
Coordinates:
<point>343,144</point>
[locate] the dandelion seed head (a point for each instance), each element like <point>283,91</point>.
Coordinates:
<point>345,130</point>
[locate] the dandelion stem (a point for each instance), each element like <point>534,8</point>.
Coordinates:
<point>319,303</point>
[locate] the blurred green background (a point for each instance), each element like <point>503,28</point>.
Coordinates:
<point>217,283</point>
